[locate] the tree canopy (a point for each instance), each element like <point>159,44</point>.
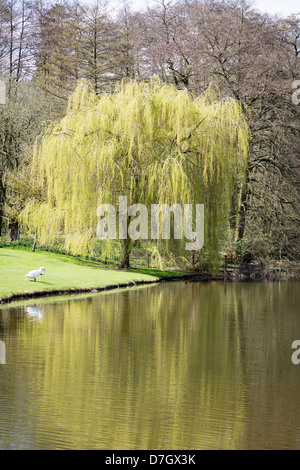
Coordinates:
<point>252,57</point>
<point>148,141</point>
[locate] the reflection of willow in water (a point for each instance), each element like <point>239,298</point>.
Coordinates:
<point>140,369</point>
<point>176,366</point>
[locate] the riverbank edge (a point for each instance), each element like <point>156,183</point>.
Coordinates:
<point>58,292</point>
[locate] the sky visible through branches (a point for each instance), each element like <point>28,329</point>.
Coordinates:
<point>273,7</point>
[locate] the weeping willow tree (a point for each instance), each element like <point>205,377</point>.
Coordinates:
<point>147,141</point>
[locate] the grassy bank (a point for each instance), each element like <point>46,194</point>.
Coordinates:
<point>63,274</point>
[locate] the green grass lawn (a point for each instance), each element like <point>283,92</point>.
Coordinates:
<point>62,273</point>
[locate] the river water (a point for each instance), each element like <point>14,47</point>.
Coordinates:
<point>189,365</point>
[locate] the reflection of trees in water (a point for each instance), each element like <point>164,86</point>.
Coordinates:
<point>140,359</point>
<point>270,322</point>
<point>172,366</point>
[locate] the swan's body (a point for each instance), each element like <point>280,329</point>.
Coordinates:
<point>36,273</point>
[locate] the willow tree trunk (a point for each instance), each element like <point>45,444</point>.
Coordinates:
<point>242,209</point>
<point>126,246</point>
<point>242,215</point>
<point>2,200</point>
<point>244,196</point>
<point>13,231</point>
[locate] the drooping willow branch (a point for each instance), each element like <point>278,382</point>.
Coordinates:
<point>123,144</point>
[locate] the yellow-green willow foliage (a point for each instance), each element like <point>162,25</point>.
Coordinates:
<point>147,141</point>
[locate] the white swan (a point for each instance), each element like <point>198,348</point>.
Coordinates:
<point>36,273</point>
